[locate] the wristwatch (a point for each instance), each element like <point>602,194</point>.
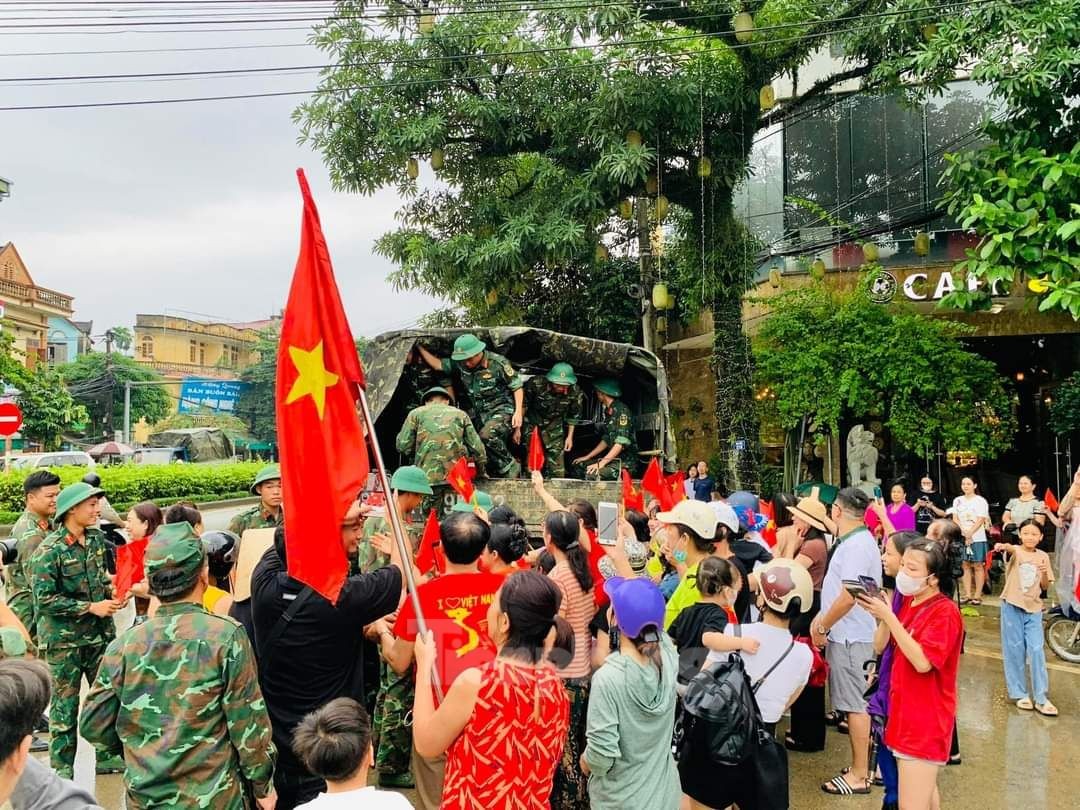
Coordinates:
<point>821,629</point>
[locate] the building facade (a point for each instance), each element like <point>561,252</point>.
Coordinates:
<point>67,339</point>
<point>28,308</point>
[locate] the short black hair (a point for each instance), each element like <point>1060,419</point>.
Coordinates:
<point>333,741</point>
<point>464,537</point>
<point>25,690</point>
<point>39,479</point>
<point>183,512</point>
<point>853,500</point>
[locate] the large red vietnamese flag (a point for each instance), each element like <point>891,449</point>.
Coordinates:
<point>324,461</point>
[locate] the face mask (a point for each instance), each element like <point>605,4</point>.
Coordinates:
<point>680,556</point>
<point>909,585</point>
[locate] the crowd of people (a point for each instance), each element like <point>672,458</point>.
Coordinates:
<point>646,670</point>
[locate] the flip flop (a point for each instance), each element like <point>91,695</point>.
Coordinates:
<point>838,786</point>
<point>1025,704</point>
<point>1047,709</point>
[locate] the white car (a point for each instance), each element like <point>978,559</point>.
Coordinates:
<point>61,458</point>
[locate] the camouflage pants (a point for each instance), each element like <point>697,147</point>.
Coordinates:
<point>554,440</point>
<point>495,431</point>
<point>392,724</point>
<point>69,665</point>
<point>22,605</point>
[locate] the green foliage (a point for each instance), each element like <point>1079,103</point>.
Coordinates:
<point>1065,409</point>
<point>256,405</point>
<point>1019,193</point>
<point>829,355</point>
<point>95,378</point>
<point>131,483</point>
<point>48,409</point>
<point>121,338</point>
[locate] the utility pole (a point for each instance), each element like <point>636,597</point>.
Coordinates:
<point>645,258</point>
<point>108,374</point>
<point>127,412</point>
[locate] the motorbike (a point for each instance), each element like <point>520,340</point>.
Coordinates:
<point>1063,634</point>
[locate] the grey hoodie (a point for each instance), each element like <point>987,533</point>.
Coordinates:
<point>631,715</point>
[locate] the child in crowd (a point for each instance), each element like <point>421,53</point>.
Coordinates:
<point>1027,575</point>
<point>334,743</point>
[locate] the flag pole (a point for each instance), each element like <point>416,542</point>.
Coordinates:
<point>398,531</point>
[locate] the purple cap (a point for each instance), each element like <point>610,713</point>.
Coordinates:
<point>637,603</point>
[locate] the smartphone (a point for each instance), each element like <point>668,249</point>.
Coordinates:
<point>872,588</point>
<point>607,518</point>
<point>877,492</point>
<point>855,588</point>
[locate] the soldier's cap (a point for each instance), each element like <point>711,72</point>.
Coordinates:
<point>467,346</point>
<point>481,499</point>
<point>411,479</point>
<point>174,558</point>
<point>606,385</point>
<point>72,496</point>
<point>270,472</point>
<point>436,390</point>
<point>12,643</point>
<point>562,374</point>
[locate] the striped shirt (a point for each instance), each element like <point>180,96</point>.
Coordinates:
<point>578,608</point>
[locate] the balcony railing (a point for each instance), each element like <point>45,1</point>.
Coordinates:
<point>189,369</point>
<point>24,294</point>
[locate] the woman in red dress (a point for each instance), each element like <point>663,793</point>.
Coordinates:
<point>503,726</point>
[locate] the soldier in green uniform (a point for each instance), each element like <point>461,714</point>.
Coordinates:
<point>496,398</point>
<point>73,597</point>
<point>392,724</point>
<point>41,489</point>
<point>419,378</point>
<point>179,695</point>
<point>617,438</point>
<point>434,436</point>
<point>267,514</point>
<point>479,499</point>
<point>553,404</point>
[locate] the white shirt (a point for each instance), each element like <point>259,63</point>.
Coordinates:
<point>967,511</point>
<point>855,555</point>
<point>789,677</point>
<point>367,798</point>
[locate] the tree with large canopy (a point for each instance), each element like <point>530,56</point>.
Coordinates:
<point>563,133</point>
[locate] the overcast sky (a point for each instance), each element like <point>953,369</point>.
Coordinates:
<point>184,208</point>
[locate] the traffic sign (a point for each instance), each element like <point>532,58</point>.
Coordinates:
<point>10,418</point>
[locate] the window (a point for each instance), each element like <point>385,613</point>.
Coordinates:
<point>147,347</point>
<point>192,346</point>
<point>234,356</point>
<point>202,354</point>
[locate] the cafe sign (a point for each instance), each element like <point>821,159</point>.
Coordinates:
<point>917,286</point>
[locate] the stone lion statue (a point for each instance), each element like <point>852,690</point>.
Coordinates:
<point>862,458</point>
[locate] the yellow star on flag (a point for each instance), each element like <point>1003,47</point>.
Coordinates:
<point>312,377</point>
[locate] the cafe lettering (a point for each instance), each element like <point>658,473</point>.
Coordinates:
<point>918,287</point>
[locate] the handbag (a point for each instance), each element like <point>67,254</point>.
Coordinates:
<point>770,773</point>
<point>819,667</point>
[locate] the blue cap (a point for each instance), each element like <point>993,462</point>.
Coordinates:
<point>637,603</point>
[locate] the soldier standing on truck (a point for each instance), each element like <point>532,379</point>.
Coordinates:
<point>434,437</point>
<point>617,438</point>
<point>554,405</point>
<point>496,396</point>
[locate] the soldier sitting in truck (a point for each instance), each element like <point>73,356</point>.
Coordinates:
<point>617,438</point>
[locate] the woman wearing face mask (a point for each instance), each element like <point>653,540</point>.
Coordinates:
<point>926,636</point>
<point>688,532</point>
<point>972,513</point>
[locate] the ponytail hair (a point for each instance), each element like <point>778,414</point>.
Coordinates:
<point>647,642</point>
<point>531,601</point>
<point>563,530</point>
<point>714,574</point>
<point>562,651</point>
<point>508,541</point>
<point>940,562</point>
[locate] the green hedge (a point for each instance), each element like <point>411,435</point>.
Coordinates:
<point>129,484</point>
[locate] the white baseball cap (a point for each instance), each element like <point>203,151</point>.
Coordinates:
<point>695,515</point>
<point>725,515</point>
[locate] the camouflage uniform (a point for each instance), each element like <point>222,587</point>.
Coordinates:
<point>434,437</point>
<point>256,518</point>
<point>29,530</point>
<point>551,412</point>
<point>489,388</point>
<point>179,695</point>
<point>417,379</point>
<point>66,577</point>
<point>618,428</point>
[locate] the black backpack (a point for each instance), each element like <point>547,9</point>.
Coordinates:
<point>720,714</point>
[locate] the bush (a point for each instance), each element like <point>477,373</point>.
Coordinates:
<point>130,483</point>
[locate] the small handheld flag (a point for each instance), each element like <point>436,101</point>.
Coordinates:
<point>536,451</point>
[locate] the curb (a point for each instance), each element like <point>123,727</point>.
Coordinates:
<point>203,506</point>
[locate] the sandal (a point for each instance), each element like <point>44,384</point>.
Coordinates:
<point>833,718</point>
<point>1025,704</point>
<point>1047,709</point>
<point>839,786</point>
<point>975,602</point>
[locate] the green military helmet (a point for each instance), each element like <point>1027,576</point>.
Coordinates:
<point>434,391</point>
<point>481,499</point>
<point>411,479</point>
<point>271,472</point>
<point>608,386</point>
<point>174,559</point>
<point>562,374</point>
<point>467,346</point>
<point>72,496</point>
<point>12,643</point>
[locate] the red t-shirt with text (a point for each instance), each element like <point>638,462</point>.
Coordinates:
<point>455,607</point>
<point>922,705</point>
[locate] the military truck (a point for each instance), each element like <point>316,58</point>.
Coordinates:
<point>395,377</point>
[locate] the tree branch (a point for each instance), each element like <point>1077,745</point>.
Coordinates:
<point>817,89</point>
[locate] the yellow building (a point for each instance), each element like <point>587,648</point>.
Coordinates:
<point>28,307</point>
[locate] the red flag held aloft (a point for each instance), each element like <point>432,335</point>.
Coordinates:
<point>324,460</point>
<point>632,497</point>
<point>460,478</point>
<point>129,566</point>
<point>655,484</point>
<point>676,484</point>
<point>430,554</point>
<point>536,451</point>
<point>1051,501</point>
